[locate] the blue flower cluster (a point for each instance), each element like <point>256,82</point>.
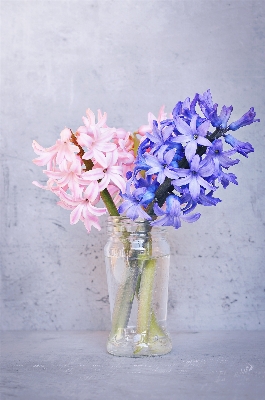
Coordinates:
<point>180,162</point>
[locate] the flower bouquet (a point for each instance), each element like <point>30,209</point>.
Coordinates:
<point>149,179</point>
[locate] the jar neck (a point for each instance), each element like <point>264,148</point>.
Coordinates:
<point>121,225</point>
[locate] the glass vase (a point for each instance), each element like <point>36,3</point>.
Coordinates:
<point>137,259</point>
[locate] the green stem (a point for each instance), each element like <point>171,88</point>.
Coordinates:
<point>125,292</point>
<point>155,329</point>
<point>123,302</point>
<point>109,203</point>
<point>145,304</point>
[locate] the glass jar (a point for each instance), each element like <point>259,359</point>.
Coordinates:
<point>137,259</point>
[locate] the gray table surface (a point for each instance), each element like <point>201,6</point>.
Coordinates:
<point>74,365</point>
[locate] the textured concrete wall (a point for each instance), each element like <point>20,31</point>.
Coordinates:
<point>127,58</point>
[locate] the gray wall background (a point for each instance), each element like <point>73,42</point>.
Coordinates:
<point>127,58</point>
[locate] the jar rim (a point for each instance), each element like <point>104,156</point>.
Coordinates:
<point>140,224</point>
<point>124,218</point>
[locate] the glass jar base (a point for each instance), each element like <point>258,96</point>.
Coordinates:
<point>131,344</point>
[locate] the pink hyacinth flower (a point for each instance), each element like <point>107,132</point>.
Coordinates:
<point>68,176</point>
<point>62,150</point>
<point>96,137</point>
<point>90,120</point>
<point>112,173</point>
<point>125,152</point>
<point>97,143</point>
<point>148,128</point>
<point>46,156</point>
<point>82,210</point>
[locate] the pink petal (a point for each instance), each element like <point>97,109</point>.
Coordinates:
<point>144,129</point>
<point>126,158</point>
<point>102,119</point>
<point>69,150</point>
<point>105,134</point>
<point>118,181</point>
<point>37,147</point>
<point>74,187</point>
<point>104,182</point>
<point>83,139</point>
<point>115,169</point>
<point>161,114</point>
<point>47,187</point>
<point>93,174</point>
<point>76,214</point>
<point>112,157</point>
<point>90,220</point>
<point>43,160</point>
<point>100,158</point>
<point>76,165</point>
<point>105,146</point>
<point>63,205</point>
<point>90,117</point>
<point>68,200</point>
<point>86,122</point>
<point>54,174</point>
<point>120,133</point>
<point>92,191</point>
<point>65,134</point>
<point>60,155</point>
<point>95,210</point>
<point>88,155</point>
<point>151,119</point>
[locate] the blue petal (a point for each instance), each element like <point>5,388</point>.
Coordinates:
<point>246,119</point>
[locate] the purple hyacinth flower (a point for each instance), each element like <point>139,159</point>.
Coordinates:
<point>173,214</point>
<point>194,176</point>
<point>159,136</point>
<point>186,109</point>
<point>191,135</point>
<point>140,160</point>
<point>246,119</point>
<point>225,178</point>
<point>208,199</point>
<point>206,104</point>
<point>132,205</point>
<point>241,147</point>
<point>149,189</point>
<point>203,199</point>
<point>210,110</point>
<point>160,163</point>
<point>223,118</point>
<point>220,157</point>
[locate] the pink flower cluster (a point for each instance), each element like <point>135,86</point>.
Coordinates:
<point>81,165</point>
